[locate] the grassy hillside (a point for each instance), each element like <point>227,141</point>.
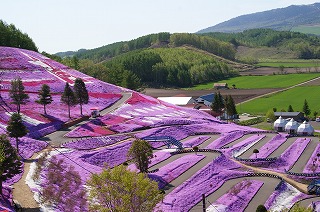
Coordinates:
<point>258,82</point>
<point>307,29</point>
<point>294,97</point>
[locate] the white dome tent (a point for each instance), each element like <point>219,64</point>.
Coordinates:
<point>292,126</point>
<point>279,124</point>
<point>305,129</point>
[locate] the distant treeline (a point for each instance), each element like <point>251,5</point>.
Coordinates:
<point>13,37</point>
<point>307,46</point>
<point>163,39</point>
<point>175,67</point>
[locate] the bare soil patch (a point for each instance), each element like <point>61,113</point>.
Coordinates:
<point>239,95</point>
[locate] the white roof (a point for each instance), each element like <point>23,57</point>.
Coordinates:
<point>177,100</point>
<point>305,127</point>
<point>280,122</point>
<point>292,125</point>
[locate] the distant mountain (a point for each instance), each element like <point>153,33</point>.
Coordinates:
<point>296,18</point>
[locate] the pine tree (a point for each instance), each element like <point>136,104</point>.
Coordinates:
<point>230,106</point>
<point>217,104</point>
<point>9,161</point>
<point>17,93</point>
<point>81,93</point>
<point>141,153</point>
<point>16,128</point>
<point>290,109</point>
<point>306,108</point>
<point>45,97</point>
<point>68,97</point>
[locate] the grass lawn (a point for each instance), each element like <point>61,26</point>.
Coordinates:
<point>294,97</point>
<point>253,82</point>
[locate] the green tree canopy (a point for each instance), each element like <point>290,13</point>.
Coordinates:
<point>140,152</point>
<point>119,189</point>
<point>17,93</point>
<point>290,109</point>
<point>306,108</point>
<point>44,96</point>
<point>81,93</point>
<point>217,105</point>
<point>68,97</point>
<point>16,128</point>
<point>230,106</point>
<point>10,164</point>
<point>270,115</point>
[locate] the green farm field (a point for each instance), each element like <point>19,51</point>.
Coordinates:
<point>256,82</point>
<point>282,100</point>
<point>307,29</point>
<point>305,64</point>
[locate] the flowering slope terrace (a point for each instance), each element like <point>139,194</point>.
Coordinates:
<point>35,70</point>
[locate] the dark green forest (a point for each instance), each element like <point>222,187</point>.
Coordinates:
<point>307,46</point>
<point>13,37</point>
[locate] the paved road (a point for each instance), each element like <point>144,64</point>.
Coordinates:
<point>57,138</point>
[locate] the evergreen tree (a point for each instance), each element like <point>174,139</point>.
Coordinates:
<point>290,109</point>
<point>16,128</point>
<point>230,106</point>
<point>306,108</point>
<point>68,97</point>
<point>81,93</point>
<point>17,93</point>
<point>140,152</point>
<point>122,190</point>
<point>9,161</point>
<point>44,96</point>
<point>130,80</point>
<point>217,104</point>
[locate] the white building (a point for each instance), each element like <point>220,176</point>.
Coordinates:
<point>305,129</point>
<point>292,126</point>
<point>280,124</point>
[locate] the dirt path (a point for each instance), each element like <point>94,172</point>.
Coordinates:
<point>21,191</point>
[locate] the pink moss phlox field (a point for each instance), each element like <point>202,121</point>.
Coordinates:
<point>172,170</point>
<point>209,178</point>
<point>96,142</point>
<point>225,139</point>
<point>270,146</point>
<point>313,162</point>
<point>196,141</point>
<point>243,144</point>
<point>111,156</point>
<point>288,158</point>
<point>273,198</point>
<point>6,203</point>
<point>28,146</point>
<point>239,201</point>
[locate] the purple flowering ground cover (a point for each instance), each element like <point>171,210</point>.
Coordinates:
<point>288,158</point>
<point>209,179</point>
<point>95,142</point>
<point>232,201</point>
<point>192,142</point>
<point>238,148</point>
<point>171,171</point>
<point>270,146</point>
<point>313,163</point>
<point>225,139</point>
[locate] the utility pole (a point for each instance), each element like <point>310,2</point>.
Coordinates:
<point>204,203</point>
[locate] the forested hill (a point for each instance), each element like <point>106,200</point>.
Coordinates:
<point>163,39</point>
<point>279,19</point>
<point>13,37</point>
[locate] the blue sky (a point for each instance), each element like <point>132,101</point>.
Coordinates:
<point>63,25</point>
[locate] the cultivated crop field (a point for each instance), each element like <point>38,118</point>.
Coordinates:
<point>224,169</point>
<point>260,82</point>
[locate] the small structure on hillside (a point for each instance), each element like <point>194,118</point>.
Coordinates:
<point>280,124</point>
<point>297,116</point>
<point>220,86</point>
<point>178,100</point>
<point>305,129</point>
<point>206,99</point>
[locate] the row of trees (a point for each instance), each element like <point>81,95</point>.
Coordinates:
<point>69,97</point>
<point>222,105</point>
<point>13,37</point>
